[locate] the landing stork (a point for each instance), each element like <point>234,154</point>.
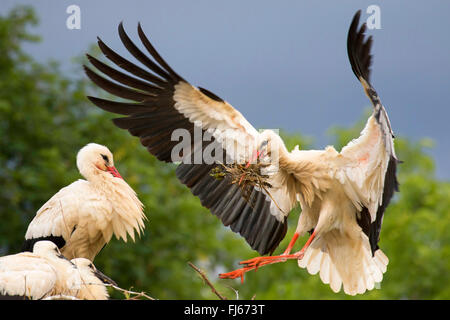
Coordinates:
<point>343,195</point>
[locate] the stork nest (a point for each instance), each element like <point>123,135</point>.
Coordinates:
<point>246,177</point>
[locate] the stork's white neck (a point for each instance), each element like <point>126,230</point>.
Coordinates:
<point>101,180</point>
<point>94,175</point>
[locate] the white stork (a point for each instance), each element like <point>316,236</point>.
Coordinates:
<point>45,272</point>
<point>343,195</point>
<point>82,217</point>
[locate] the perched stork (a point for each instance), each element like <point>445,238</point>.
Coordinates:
<point>82,217</point>
<point>46,272</point>
<point>343,195</point>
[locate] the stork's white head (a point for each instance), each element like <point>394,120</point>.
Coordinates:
<point>46,248</point>
<point>94,160</point>
<point>93,280</point>
<point>86,267</point>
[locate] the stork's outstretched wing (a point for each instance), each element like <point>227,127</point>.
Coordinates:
<point>369,174</point>
<point>166,107</point>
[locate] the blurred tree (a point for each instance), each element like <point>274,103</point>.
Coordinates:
<point>45,119</point>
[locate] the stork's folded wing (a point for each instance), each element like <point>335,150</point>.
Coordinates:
<point>25,275</point>
<point>54,220</point>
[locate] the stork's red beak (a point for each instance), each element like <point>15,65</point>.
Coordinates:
<point>114,172</point>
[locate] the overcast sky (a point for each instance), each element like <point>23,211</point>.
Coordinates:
<point>283,64</point>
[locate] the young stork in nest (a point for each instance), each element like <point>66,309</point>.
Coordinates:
<point>82,217</point>
<point>45,272</point>
<point>343,195</point>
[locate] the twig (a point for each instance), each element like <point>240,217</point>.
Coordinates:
<point>138,294</point>
<point>205,278</point>
<point>235,291</point>
<point>246,177</point>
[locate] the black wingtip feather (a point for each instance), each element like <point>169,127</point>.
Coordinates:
<point>138,54</point>
<point>358,49</point>
<point>122,77</point>
<point>129,66</point>
<point>116,89</point>
<point>151,49</point>
<point>122,108</point>
<point>210,94</point>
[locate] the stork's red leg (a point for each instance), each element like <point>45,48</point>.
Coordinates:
<point>254,263</point>
<point>291,243</point>
<point>259,261</point>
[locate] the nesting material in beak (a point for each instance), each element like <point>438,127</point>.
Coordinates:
<point>114,172</point>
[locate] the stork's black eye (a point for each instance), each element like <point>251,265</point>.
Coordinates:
<point>105,158</point>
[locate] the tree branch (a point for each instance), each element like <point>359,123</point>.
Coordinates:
<point>205,278</point>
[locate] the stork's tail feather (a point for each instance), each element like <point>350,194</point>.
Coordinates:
<point>345,262</point>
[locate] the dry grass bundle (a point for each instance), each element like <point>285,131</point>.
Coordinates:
<point>246,176</point>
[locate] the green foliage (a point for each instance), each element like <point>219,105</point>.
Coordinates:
<point>45,119</point>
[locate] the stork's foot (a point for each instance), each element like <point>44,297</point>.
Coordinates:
<point>236,273</point>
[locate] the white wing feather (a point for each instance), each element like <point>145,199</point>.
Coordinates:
<point>26,275</point>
